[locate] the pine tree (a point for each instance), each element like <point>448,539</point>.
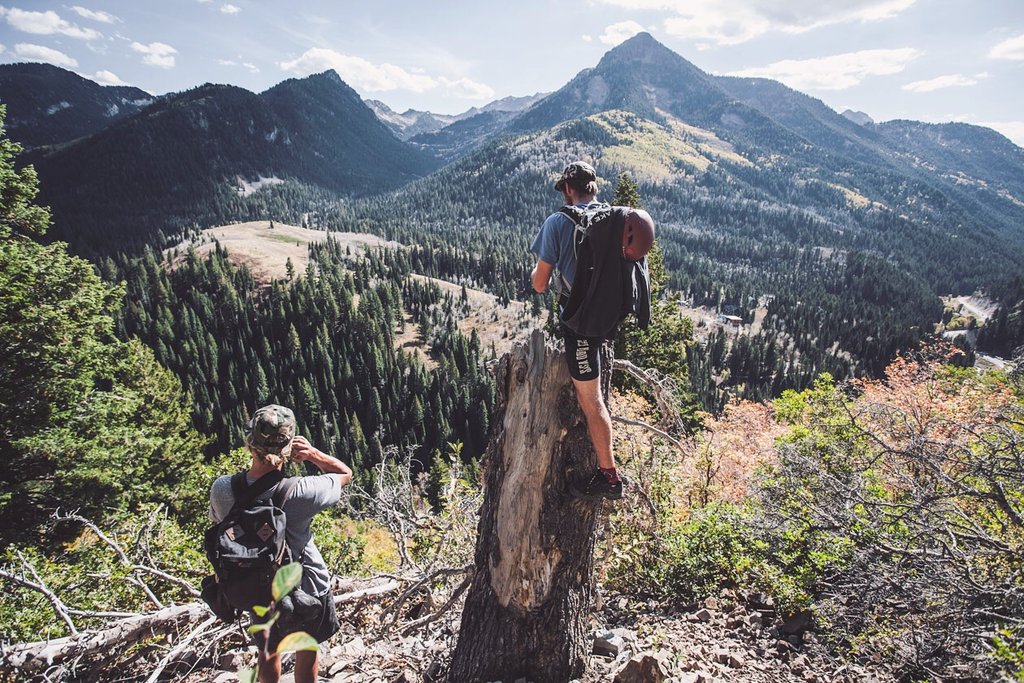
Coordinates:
<point>663,345</point>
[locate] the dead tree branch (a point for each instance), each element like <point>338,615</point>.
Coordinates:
<point>37,585</point>
<point>37,656</point>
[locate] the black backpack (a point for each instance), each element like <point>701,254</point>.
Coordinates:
<point>247,547</point>
<point>606,287</point>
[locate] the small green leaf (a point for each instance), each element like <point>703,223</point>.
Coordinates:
<point>286,579</point>
<point>247,676</point>
<point>260,610</point>
<point>265,625</point>
<point>300,640</point>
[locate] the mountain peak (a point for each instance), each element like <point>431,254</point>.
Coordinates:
<point>641,76</point>
<point>641,41</point>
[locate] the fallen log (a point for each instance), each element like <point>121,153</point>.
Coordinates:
<point>28,657</point>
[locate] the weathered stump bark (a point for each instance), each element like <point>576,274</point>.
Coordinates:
<point>526,610</point>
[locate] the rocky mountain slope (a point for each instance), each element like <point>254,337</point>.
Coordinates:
<point>47,105</point>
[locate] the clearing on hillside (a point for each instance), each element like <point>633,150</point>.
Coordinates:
<point>265,250</point>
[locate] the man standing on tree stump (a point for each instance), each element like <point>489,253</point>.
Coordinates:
<point>555,247</point>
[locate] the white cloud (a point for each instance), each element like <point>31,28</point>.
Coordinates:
<point>620,32</point>
<point>467,89</point>
<point>836,72</point>
<point>106,78</point>
<point>729,22</point>
<point>586,38</point>
<point>38,53</point>
<point>940,82</point>
<point>358,72</point>
<point>45,24</point>
<point>367,77</point>
<point>1013,48</point>
<point>156,54</point>
<point>230,9</point>
<point>95,15</point>
<point>252,68</point>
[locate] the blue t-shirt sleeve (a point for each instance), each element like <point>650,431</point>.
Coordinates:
<point>546,245</point>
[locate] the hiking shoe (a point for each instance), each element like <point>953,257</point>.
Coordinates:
<point>596,486</point>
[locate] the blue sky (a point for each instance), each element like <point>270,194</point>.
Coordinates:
<point>928,60</point>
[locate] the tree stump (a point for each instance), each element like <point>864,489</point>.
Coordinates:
<point>526,610</point>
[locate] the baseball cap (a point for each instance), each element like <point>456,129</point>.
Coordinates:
<point>271,429</point>
<point>579,172</point>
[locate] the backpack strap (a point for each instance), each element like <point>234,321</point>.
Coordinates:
<point>245,493</point>
<point>280,497</point>
<point>284,491</point>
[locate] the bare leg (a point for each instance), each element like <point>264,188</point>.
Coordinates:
<point>270,667</point>
<point>599,420</point>
<point>307,664</point>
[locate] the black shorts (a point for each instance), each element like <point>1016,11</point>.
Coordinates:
<point>321,627</point>
<point>582,354</point>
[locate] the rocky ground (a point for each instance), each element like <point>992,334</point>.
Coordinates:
<point>722,640</point>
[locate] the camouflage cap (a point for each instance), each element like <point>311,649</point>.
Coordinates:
<point>271,430</point>
<point>578,173</point>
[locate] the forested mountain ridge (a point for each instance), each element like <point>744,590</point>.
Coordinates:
<point>977,168</point>
<point>185,160</point>
<point>48,105</point>
<point>837,236</point>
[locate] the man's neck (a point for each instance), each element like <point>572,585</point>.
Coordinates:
<point>582,198</point>
<point>259,468</point>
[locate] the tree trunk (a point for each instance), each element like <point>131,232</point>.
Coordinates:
<point>526,610</point>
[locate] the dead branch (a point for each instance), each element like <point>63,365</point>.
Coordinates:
<point>36,656</point>
<point>651,428</point>
<point>38,585</point>
<point>357,595</point>
<point>418,584</point>
<point>661,386</point>
<point>436,614</point>
<point>180,648</point>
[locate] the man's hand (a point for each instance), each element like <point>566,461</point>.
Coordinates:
<point>303,451</point>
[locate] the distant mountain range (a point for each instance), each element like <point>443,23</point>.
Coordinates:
<point>190,159</point>
<point>194,158</point>
<point>450,137</point>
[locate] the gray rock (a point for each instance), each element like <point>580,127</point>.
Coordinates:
<point>231,661</point>
<point>703,615</point>
<point>783,646</point>
<point>608,644</point>
<point>641,669</point>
